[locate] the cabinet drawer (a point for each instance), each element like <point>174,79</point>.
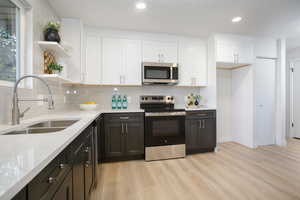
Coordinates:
<point>47,181</point>
<point>132,117</point>
<point>201,114</point>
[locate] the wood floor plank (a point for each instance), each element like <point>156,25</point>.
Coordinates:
<point>235,172</point>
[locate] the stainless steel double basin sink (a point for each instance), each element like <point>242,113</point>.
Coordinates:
<point>44,127</point>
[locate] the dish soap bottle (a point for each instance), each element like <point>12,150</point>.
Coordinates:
<point>125,102</point>
<point>119,102</point>
<point>114,99</point>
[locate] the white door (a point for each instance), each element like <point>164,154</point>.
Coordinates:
<point>132,74</point>
<point>296,99</point>
<point>112,61</point>
<point>265,101</point>
<point>92,74</point>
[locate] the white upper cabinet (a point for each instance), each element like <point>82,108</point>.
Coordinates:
<point>112,61</point>
<point>121,62</point>
<point>132,70</point>
<point>233,50</point>
<point>192,63</point>
<point>265,47</point>
<point>154,51</point>
<point>92,72</point>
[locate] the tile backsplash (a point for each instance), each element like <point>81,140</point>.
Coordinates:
<point>102,95</point>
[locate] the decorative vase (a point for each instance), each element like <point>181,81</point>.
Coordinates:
<point>51,35</point>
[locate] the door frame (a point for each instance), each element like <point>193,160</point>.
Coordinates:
<point>291,64</point>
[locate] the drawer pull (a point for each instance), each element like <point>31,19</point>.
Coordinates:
<point>124,118</point>
<point>87,150</point>
<point>51,180</point>
<point>61,166</point>
<point>202,115</point>
<point>87,164</point>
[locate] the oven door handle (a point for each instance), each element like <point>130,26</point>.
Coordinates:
<point>165,114</point>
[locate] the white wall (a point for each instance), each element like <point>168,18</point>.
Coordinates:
<point>224,133</point>
<point>242,106</point>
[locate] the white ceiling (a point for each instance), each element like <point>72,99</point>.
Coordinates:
<point>189,17</point>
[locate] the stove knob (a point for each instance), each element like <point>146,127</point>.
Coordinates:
<point>169,98</point>
<point>146,98</point>
<point>172,98</point>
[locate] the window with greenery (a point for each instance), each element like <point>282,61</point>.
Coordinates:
<point>8,41</point>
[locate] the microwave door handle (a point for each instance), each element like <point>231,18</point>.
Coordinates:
<point>171,75</point>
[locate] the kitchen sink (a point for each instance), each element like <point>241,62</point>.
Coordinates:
<point>35,131</point>
<point>44,127</point>
<point>56,123</point>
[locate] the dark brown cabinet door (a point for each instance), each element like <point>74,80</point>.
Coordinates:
<point>207,136</point>
<point>78,174</point>
<point>65,190</point>
<point>134,138</point>
<point>192,134</point>
<point>114,140</point>
<point>88,167</point>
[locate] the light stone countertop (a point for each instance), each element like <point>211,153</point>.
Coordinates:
<point>22,157</point>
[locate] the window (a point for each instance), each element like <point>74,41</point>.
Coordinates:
<point>9,42</point>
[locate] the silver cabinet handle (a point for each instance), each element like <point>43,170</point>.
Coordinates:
<point>51,180</point>
<point>87,163</point>
<point>122,128</point>
<point>203,123</point>
<point>126,128</point>
<point>61,166</point>
<point>200,124</point>
<point>124,118</point>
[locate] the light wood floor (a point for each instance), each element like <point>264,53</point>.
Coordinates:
<point>235,172</point>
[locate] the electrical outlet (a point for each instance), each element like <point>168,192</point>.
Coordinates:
<point>129,99</point>
<point>40,103</point>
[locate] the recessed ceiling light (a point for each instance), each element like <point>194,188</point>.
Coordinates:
<point>236,19</point>
<point>141,5</point>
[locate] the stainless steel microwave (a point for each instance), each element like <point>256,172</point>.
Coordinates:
<point>159,73</point>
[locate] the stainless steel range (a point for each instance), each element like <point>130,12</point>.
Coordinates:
<point>164,128</point>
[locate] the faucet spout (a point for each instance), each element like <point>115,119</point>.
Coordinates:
<point>15,107</point>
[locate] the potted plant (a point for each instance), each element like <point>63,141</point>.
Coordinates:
<point>51,32</point>
<point>55,68</point>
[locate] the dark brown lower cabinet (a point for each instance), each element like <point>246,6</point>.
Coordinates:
<point>65,191</point>
<point>200,131</point>
<point>124,136</point>
<point>78,174</point>
<point>88,166</point>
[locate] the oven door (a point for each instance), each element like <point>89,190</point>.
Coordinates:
<point>164,129</point>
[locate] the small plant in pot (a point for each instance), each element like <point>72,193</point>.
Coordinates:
<point>55,68</point>
<point>51,32</point>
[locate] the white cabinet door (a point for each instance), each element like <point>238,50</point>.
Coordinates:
<point>192,64</point>
<point>132,54</point>
<point>151,51</point>
<point>169,52</point>
<point>265,48</point>
<point>160,52</point>
<point>92,73</point>
<point>112,66</point>
<point>234,50</point>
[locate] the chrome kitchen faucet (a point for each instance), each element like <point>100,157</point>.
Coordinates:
<point>16,115</point>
